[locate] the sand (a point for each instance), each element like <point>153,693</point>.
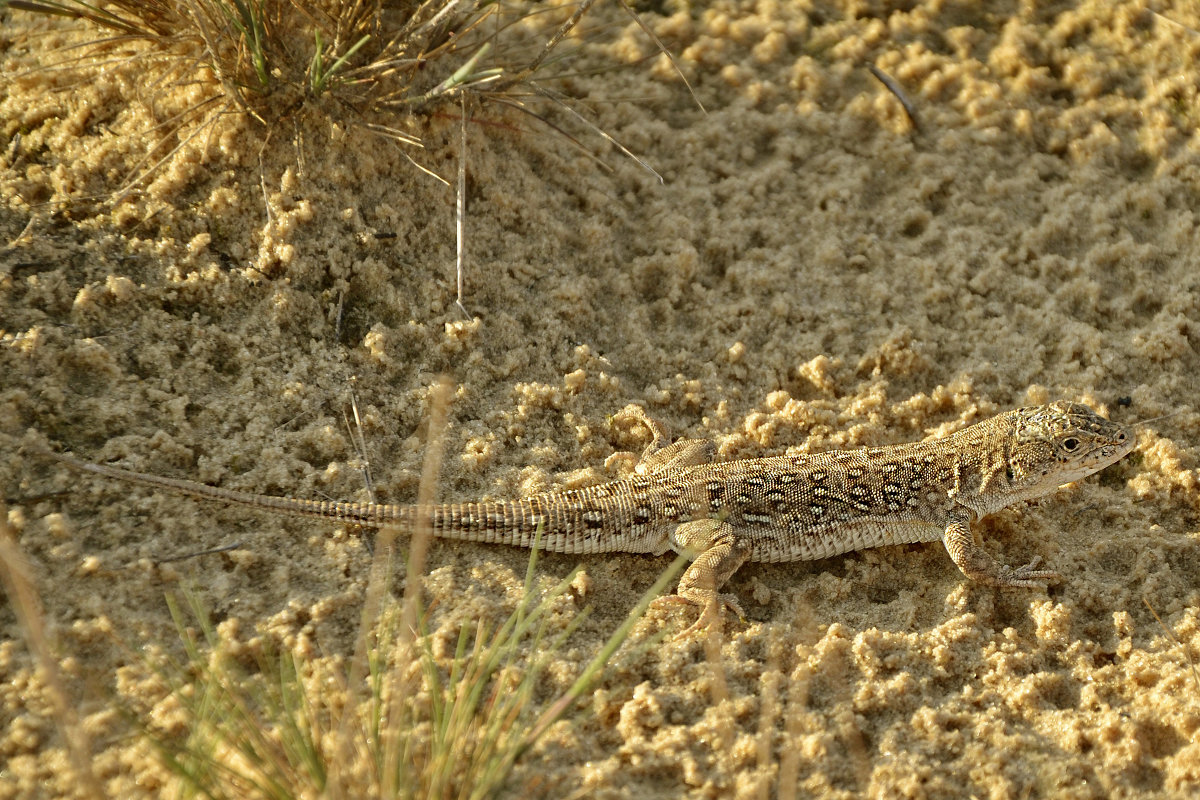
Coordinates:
<point>815,271</point>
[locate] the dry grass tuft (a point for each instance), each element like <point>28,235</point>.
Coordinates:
<point>292,726</point>
<point>384,66</point>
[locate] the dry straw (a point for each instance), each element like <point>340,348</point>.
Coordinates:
<point>383,66</point>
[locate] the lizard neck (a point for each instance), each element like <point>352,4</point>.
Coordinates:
<point>979,462</point>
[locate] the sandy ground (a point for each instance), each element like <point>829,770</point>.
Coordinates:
<point>814,272</point>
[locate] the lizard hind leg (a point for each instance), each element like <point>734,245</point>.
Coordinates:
<point>684,453</point>
<point>661,453</point>
<point>719,551</point>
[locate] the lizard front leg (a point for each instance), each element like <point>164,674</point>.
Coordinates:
<point>977,565</point>
<point>719,551</point>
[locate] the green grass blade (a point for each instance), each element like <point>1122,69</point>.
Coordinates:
<point>319,77</point>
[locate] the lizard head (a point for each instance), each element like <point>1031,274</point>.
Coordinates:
<point>1062,442</point>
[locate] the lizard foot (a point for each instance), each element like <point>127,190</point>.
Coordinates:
<point>976,564</point>
<point>712,610</point>
<point>1029,576</point>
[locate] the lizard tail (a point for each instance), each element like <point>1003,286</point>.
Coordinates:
<point>374,515</point>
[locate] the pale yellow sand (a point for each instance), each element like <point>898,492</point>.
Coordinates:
<point>814,273</point>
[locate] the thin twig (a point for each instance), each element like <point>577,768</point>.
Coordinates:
<point>662,48</point>
<point>894,88</point>
<point>1171,635</point>
<point>222,549</point>
<point>360,444</point>
<point>461,207</point>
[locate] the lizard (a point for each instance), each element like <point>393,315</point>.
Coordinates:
<point>773,509</point>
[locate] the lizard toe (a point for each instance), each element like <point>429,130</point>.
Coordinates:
<point>730,602</point>
<point>712,609</point>
<point>1029,576</point>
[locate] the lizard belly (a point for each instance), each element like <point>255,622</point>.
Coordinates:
<point>811,542</point>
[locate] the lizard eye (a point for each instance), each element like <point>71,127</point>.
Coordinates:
<point>1070,443</point>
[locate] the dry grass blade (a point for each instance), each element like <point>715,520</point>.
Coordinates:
<point>426,170</point>
<point>513,104</point>
<point>397,135</point>
<point>148,19</point>
<point>563,104</point>
<point>439,402</point>
<point>15,574</point>
<point>1171,635</point>
<point>358,440</point>
<point>460,215</point>
<point>553,41</point>
<point>662,48</point>
<point>138,175</point>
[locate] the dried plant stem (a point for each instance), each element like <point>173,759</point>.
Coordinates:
<point>460,216</point>
<point>15,574</point>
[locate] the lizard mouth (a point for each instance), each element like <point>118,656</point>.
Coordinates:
<point>1098,459</point>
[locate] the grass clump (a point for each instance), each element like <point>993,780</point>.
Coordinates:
<point>384,54</point>
<point>294,726</point>
<point>383,65</point>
